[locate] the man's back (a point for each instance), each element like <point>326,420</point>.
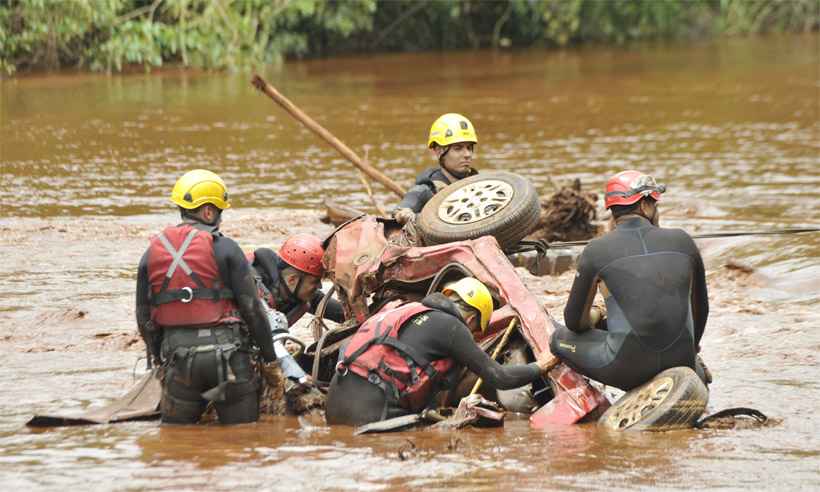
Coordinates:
<point>655,291</point>
<point>651,273</point>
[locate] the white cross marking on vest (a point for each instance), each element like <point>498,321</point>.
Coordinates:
<point>177,255</point>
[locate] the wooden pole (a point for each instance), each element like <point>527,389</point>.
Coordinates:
<point>369,189</point>
<point>328,137</point>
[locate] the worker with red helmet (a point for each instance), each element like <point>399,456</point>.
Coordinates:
<point>290,281</point>
<point>653,283</point>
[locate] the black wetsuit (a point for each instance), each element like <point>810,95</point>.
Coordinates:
<point>190,373</point>
<point>352,400</point>
<point>656,310</point>
<point>428,183</point>
<point>269,266</point>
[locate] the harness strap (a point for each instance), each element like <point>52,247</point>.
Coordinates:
<point>359,351</point>
<point>224,371</point>
<point>188,294</point>
<point>177,261</point>
<point>405,349</point>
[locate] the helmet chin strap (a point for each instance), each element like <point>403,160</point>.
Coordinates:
<point>292,293</point>
<point>441,157</point>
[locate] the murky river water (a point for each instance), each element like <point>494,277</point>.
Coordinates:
<point>732,127</point>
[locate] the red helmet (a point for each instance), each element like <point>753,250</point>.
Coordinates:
<point>627,187</point>
<point>303,252</point>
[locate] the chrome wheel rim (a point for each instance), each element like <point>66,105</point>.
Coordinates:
<point>647,399</point>
<point>475,202</point>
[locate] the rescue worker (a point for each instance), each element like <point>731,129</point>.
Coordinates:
<point>290,281</point>
<point>400,357</point>
<point>653,282</point>
<point>452,143</point>
<point>198,310</point>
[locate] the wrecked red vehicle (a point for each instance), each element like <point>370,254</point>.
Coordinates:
<point>370,263</point>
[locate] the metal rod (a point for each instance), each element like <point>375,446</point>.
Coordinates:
<point>710,235</point>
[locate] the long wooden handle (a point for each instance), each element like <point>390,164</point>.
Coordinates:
<point>497,351</point>
<point>328,137</point>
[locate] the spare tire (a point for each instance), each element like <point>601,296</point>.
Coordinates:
<point>674,399</point>
<point>496,203</point>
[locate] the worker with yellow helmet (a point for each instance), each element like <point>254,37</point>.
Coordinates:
<point>198,310</point>
<point>401,356</point>
<point>452,142</point>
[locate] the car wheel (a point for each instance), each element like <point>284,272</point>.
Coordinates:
<point>497,203</point>
<point>674,399</point>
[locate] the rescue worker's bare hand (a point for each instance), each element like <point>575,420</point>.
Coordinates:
<point>546,361</point>
<point>595,316</point>
<point>404,215</point>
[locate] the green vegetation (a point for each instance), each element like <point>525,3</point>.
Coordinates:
<point>234,34</point>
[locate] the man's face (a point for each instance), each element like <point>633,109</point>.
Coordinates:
<point>309,286</point>
<point>459,159</point>
<point>474,322</point>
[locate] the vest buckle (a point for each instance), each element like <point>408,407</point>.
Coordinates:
<point>190,295</point>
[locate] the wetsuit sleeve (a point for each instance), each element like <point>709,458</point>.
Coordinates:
<point>576,312</point>
<point>333,310</point>
<point>234,269</point>
<point>149,335</point>
<point>416,197</point>
<point>700,297</point>
<point>143,302</point>
<point>466,352</point>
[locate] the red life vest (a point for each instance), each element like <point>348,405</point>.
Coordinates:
<point>376,354</point>
<point>186,288</point>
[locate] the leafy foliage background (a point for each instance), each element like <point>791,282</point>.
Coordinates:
<point>108,35</point>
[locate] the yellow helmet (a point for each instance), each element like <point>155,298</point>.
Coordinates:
<point>198,187</point>
<point>451,128</point>
<point>475,294</point>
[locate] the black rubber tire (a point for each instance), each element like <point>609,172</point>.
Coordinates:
<point>508,225</point>
<point>684,402</point>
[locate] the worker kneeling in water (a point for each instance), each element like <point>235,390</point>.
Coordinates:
<point>401,356</point>
<point>289,281</point>
<point>289,284</point>
<point>654,285</point>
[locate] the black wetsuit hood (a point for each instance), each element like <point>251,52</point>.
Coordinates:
<point>440,302</point>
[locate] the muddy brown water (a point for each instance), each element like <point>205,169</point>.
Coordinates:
<point>87,162</point>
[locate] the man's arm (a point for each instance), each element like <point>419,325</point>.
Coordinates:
<point>415,198</point>
<point>150,334</point>
<point>466,352</point>
<point>576,312</point>
<point>700,297</point>
<point>238,277</point>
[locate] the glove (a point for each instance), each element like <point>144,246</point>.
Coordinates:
<point>288,364</point>
<point>546,361</point>
<point>278,321</point>
<point>404,215</point>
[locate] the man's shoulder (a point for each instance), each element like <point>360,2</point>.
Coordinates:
<point>224,245</point>
<point>427,176</point>
<point>682,238</point>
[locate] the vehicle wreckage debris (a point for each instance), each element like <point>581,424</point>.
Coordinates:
<point>567,215</point>
<point>281,396</point>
